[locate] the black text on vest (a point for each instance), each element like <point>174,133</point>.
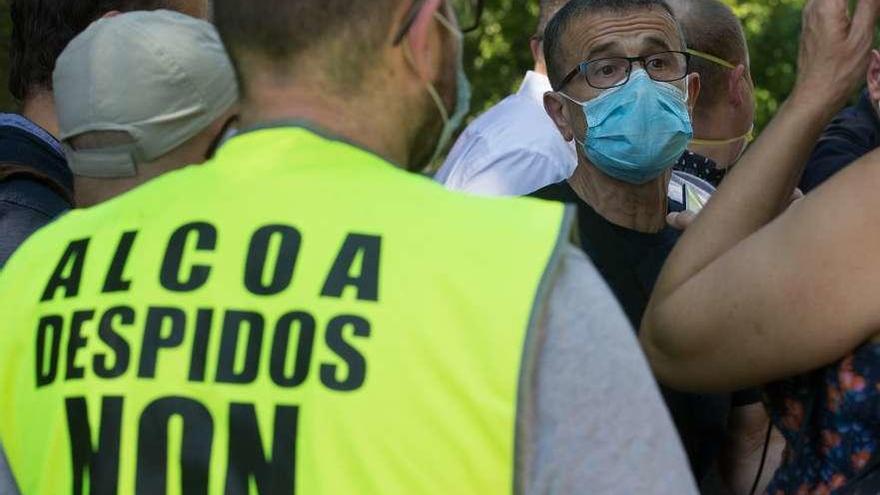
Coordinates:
<point>223,343</point>
<point>245,458</point>
<point>271,259</point>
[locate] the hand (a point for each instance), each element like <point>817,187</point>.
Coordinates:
<point>834,50</point>
<point>681,220</point>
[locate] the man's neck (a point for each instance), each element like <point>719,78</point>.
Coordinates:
<point>341,118</point>
<point>40,109</point>
<point>90,192</point>
<point>642,208</point>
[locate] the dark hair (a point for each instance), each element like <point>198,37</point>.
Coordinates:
<point>41,29</point>
<point>549,8</point>
<point>556,30</point>
<point>348,34</point>
<point>711,27</point>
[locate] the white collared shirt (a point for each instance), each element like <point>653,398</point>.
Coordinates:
<point>513,149</point>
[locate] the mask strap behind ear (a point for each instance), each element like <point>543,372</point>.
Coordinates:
<point>444,114</point>
<point>569,98</point>
<point>687,88</point>
<point>712,58</point>
<point>448,25</point>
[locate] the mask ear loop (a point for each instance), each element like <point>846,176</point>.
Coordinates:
<point>687,88</point>
<point>748,137</point>
<point>580,104</point>
<point>407,52</point>
<point>438,102</point>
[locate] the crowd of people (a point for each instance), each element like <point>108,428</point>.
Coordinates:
<point>224,270</point>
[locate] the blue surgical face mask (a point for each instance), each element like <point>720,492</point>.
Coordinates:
<point>637,131</point>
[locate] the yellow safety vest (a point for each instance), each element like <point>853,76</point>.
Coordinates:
<point>297,316</point>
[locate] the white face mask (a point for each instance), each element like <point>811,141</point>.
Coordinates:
<point>745,139</point>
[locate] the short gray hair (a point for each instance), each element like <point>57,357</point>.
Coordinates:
<point>575,9</point>
<point>711,27</point>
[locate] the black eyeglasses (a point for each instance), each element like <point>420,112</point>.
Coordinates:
<point>607,73</point>
<point>467,12</point>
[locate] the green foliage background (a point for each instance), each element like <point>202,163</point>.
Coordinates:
<point>499,55</point>
<point>5,98</point>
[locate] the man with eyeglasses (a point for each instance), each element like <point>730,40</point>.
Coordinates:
<point>624,93</point>
<point>513,148</point>
<point>342,326</point>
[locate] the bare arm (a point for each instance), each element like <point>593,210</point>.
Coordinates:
<point>741,456</point>
<point>746,299</point>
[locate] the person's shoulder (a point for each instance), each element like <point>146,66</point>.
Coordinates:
<point>857,125</point>
<point>9,133</point>
<point>492,215</point>
<point>154,199</point>
<point>17,194</point>
<point>137,209</point>
<point>515,140</point>
<point>497,113</point>
<point>18,222</point>
<point>515,116</point>
<point>559,192</point>
<point>480,201</point>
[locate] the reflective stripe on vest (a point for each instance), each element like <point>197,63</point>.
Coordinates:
<point>297,316</point>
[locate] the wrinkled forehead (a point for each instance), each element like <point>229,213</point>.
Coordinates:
<point>630,33</point>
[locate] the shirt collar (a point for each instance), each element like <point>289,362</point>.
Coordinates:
<point>867,106</point>
<point>534,86</point>
<point>19,122</point>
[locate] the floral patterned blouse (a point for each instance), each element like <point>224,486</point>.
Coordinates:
<point>831,421</point>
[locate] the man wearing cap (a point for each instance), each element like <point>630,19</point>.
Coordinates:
<point>139,95</point>
<point>302,315</point>
<point>35,183</point>
<point>176,65</point>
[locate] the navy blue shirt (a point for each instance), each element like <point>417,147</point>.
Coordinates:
<point>851,135</point>
<point>28,203</point>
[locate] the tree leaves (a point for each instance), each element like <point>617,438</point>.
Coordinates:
<point>6,102</point>
<point>498,55</point>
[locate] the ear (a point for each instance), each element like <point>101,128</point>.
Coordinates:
<point>418,40</point>
<point>537,46</point>
<point>736,90</point>
<point>874,76</point>
<point>112,13</point>
<point>555,107</point>
<point>694,86</point>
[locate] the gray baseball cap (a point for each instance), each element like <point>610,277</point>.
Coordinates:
<point>160,77</point>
